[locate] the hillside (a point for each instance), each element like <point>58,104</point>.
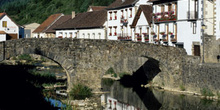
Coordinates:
<point>28,11</point>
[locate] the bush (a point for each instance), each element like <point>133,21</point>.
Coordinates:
<point>206,92</point>
<point>110,71</point>
<point>80,91</point>
<point>182,88</point>
<point>25,57</point>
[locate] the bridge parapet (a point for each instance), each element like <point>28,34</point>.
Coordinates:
<point>87,60</point>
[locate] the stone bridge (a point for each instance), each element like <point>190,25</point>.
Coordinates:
<point>86,61</point>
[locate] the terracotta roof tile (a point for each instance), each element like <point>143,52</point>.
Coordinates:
<point>57,23</point>
<point>2,14</point>
<point>47,23</point>
<point>92,19</point>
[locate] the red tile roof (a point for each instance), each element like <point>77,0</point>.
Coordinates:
<point>2,14</point>
<point>57,23</point>
<point>94,19</point>
<point>47,23</point>
<point>147,10</point>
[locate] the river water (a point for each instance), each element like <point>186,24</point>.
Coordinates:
<point>137,98</point>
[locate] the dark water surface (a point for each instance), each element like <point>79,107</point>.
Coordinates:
<point>137,98</point>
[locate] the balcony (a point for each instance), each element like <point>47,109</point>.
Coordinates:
<point>124,21</point>
<point>124,37</point>
<point>164,17</point>
<point>192,15</point>
<point>146,37</point>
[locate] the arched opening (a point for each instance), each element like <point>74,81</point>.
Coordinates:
<point>32,77</point>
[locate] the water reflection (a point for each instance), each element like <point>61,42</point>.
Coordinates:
<point>137,98</point>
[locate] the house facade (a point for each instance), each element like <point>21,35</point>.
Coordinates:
<point>29,28</point>
<point>40,32</point>
<point>87,25</point>
<point>8,28</point>
<point>178,23</point>
<point>120,16</point>
<point>217,19</point>
<point>142,24</point>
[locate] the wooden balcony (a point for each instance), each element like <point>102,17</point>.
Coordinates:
<point>164,17</point>
<point>124,37</point>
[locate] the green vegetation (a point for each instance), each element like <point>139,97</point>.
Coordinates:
<point>24,57</point>
<point>110,71</point>
<point>107,82</point>
<point>29,11</point>
<point>206,92</point>
<point>182,88</point>
<point>122,74</point>
<point>80,91</point>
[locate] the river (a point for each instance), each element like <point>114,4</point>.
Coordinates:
<point>138,98</point>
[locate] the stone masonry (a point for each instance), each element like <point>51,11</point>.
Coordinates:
<point>86,61</point>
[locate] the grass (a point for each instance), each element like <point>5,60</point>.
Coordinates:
<point>122,74</point>
<point>80,91</point>
<point>25,57</point>
<point>206,92</point>
<point>182,88</point>
<point>110,71</point>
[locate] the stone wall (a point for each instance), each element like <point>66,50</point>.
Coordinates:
<point>86,61</point>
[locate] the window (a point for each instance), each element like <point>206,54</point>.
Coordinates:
<point>130,12</point>
<point>71,34</point>
<point>83,35</point>
<point>196,50</point>
<point>93,35</point>
<point>110,14</point>
<point>162,8</point>
<point>115,34</point>
<point>115,15</point>
<point>110,31</point>
<point>65,35</point>
<point>88,35</point>
<point>194,27</point>
<point>4,23</point>
<point>99,35</point>
<point>122,14</point>
<point>170,7</point>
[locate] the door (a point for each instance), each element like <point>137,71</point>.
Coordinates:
<point>196,50</point>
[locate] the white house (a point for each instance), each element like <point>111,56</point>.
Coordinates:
<point>40,31</point>
<point>29,28</point>
<point>8,28</point>
<point>120,16</point>
<point>178,23</point>
<point>217,19</point>
<point>87,25</point>
<point>142,24</point>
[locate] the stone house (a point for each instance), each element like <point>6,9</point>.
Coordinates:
<point>142,24</point>
<point>87,25</point>
<point>120,15</point>
<point>29,28</point>
<point>8,28</point>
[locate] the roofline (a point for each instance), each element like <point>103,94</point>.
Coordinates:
<point>125,6</point>
<point>61,14</point>
<point>79,28</point>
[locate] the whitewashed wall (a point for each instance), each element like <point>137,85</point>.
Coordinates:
<point>217,26</point>
<point>129,15</point>
<point>2,37</point>
<point>82,33</point>
<point>12,28</point>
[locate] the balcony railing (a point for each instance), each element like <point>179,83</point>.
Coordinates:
<point>124,36</point>
<point>164,16</point>
<point>124,21</point>
<point>192,15</point>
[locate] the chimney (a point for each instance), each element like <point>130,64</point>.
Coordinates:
<point>73,14</point>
